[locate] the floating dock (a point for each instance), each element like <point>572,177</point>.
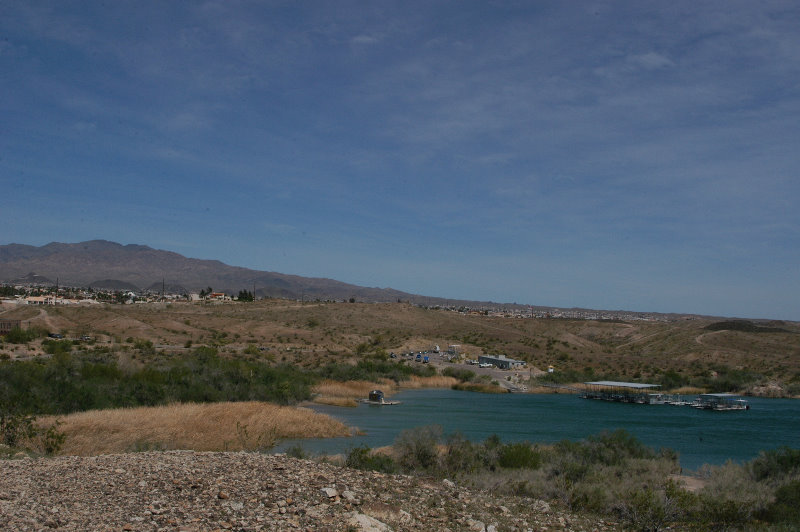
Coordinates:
<point>643,394</point>
<point>620,392</point>
<point>720,402</point>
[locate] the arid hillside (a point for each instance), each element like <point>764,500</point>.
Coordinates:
<point>675,353</point>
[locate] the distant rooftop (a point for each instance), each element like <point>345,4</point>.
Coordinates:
<point>617,384</point>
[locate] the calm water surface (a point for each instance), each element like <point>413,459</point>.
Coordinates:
<point>699,436</point>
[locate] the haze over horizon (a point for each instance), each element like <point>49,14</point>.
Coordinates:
<point>608,155</point>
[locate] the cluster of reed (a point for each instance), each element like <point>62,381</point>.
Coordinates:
<point>348,393</point>
<point>203,427</point>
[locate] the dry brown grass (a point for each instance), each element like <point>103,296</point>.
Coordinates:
<point>347,393</point>
<point>547,390</point>
<point>479,387</point>
<point>346,402</point>
<point>353,388</point>
<point>436,381</point>
<point>688,390</point>
<point>201,427</point>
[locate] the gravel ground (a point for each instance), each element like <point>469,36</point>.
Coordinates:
<point>187,491</point>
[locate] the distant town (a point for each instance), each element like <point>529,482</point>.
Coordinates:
<point>31,294</point>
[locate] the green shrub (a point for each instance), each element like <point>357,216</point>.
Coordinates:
<point>460,456</point>
<point>612,448</point>
<point>731,496</point>
<point>519,455</point>
<point>776,464</point>
<point>18,335</point>
<point>251,350</point>
<point>363,458</point>
<point>645,509</point>
<point>57,346</point>
<point>417,448</point>
<point>589,497</point>
<point>297,451</point>
<point>463,375</point>
<point>786,506</point>
<point>144,346</point>
<point>16,427</point>
<point>19,430</point>
<point>52,439</point>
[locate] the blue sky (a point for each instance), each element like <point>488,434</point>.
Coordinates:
<point>613,155</point>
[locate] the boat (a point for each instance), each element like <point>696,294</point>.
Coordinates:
<point>677,400</point>
<point>720,402</point>
<point>376,397</point>
<point>656,399</point>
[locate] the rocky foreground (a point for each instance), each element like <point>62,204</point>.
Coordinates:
<point>185,490</point>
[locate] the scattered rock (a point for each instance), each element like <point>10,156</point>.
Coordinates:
<point>189,491</point>
<point>367,523</point>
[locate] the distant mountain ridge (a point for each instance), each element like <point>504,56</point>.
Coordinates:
<point>101,263</point>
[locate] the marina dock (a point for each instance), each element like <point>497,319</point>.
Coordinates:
<point>640,393</point>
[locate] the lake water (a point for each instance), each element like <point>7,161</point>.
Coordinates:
<point>699,436</point>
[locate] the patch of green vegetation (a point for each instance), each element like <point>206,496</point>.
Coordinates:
<point>462,374</point>
<point>82,381</point>
<point>20,432</point>
<point>18,335</point>
<point>54,347</point>
<point>363,458</point>
<point>611,474</point>
<point>374,370</point>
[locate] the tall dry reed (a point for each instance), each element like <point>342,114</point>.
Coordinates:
<point>436,381</point>
<point>347,393</point>
<point>202,427</point>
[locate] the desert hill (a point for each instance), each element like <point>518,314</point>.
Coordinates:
<point>99,263</point>
<point>673,353</point>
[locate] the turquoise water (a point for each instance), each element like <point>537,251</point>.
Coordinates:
<point>699,436</point>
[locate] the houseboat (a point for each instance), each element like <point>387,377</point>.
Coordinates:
<point>376,397</point>
<point>720,402</point>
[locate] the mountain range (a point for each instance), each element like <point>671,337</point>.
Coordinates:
<point>109,265</point>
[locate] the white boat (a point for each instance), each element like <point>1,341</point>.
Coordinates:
<point>656,399</point>
<point>720,402</point>
<point>677,400</point>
